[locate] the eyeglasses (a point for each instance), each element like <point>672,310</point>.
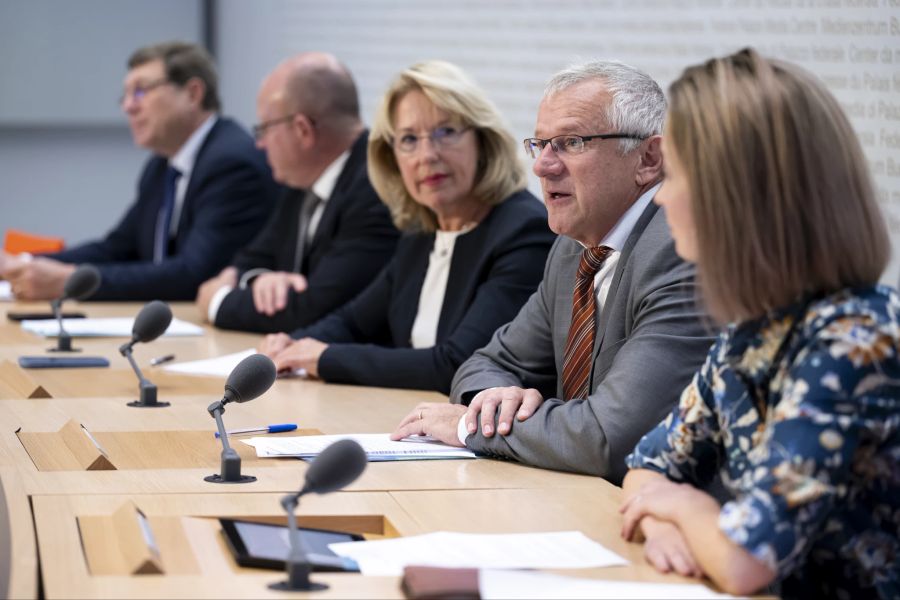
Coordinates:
<point>138,92</point>
<point>260,129</point>
<point>442,137</point>
<point>572,144</point>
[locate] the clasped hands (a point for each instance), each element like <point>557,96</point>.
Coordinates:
<point>270,290</point>
<point>441,421</point>
<point>289,354</point>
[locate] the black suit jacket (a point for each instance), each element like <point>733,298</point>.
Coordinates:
<point>228,198</point>
<point>495,268</point>
<point>353,241</point>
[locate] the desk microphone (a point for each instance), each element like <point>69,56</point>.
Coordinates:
<point>251,378</point>
<point>149,324</point>
<point>335,467</point>
<point>81,284</point>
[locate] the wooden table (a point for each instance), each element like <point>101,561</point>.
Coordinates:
<point>406,498</point>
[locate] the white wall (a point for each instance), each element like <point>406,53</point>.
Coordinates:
<point>513,46</point>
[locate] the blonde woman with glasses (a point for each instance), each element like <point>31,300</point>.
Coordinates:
<point>797,407</point>
<point>445,165</point>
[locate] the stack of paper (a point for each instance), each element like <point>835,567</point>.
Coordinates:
<point>502,585</point>
<point>112,327</point>
<point>554,550</point>
<point>6,291</point>
<point>378,447</point>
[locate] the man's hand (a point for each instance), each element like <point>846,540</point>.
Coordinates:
<point>270,290</point>
<point>302,354</point>
<point>274,343</point>
<point>438,420</point>
<point>666,549</point>
<point>38,279</point>
<point>208,289</point>
<point>513,401</point>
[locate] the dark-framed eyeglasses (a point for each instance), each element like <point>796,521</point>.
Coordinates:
<point>259,130</point>
<point>138,92</point>
<point>441,137</point>
<point>572,144</point>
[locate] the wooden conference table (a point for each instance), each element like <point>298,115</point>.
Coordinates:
<point>61,533</point>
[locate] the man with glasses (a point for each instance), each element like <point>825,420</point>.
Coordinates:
<point>204,193</point>
<point>599,354</point>
<point>329,235</point>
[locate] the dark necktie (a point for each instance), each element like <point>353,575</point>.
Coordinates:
<point>161,239</point>
<point>580,343</point>
<point>310,203</point>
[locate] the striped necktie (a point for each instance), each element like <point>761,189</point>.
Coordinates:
<point>580,343</point>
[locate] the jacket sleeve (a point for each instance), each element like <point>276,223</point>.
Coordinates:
<point>364,243</point>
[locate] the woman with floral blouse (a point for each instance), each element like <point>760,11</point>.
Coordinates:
<point>797,408</point>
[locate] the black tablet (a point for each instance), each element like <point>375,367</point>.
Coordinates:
<point>61,362</point>
<point>266,546</point>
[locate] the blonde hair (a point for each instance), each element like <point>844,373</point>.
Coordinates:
<point>782,199</point>
<point>499,173</point>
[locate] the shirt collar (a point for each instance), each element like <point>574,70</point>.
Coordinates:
<point>324,185</point>
<point>184,159</point>
<point>617,236</point>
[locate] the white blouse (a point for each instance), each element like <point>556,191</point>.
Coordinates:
<point>431,298</point>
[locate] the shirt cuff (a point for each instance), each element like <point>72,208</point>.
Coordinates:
<point>216,302</point>
<point>461,432</point>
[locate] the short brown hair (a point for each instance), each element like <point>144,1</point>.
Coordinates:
<point>782,199</point>
<point>182,62</point>
<point>499,172</point>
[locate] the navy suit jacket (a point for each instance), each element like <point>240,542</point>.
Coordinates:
<point>495,268</point>
<point>228,198</point>
<point>352,242</point>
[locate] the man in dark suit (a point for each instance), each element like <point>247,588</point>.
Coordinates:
<point>330,235</point>
<point>600,353</point>
<point>204,194</point>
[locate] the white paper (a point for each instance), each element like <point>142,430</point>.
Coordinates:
<point>220,366</point>
<point>378,447</point>
<point>6,291</point>
<point>109,327</point>
<point>502,585</point>
<point>554,550</point>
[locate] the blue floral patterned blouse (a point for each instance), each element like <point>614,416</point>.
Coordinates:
<point>799,412</point>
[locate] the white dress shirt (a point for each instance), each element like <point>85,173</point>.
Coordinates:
<point>431,298</point>
<point>183,161</point>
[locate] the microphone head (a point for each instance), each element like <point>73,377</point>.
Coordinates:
<point>250,378</point>
<point>151,322</point>
<point>82,283</point>
<point>336,466</point>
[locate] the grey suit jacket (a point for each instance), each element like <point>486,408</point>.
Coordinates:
<point>651,338</point>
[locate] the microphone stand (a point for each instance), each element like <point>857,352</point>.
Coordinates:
<point>296,564</point>
<point>148,390</point>
<point>231,460</point>
<point>63,340</point>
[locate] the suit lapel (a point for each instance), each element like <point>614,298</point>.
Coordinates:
<point>611,297</point>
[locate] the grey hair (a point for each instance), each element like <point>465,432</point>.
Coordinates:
<point>638,104</point>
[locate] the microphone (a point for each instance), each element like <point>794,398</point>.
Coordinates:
<point>149,324</point>
<point>336,466</point>
<point>251,378</point>
<point>81,284</point>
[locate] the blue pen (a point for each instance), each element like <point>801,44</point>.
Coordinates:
<point>265,429</point>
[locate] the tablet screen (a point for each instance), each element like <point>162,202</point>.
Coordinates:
<point>265,545</point>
